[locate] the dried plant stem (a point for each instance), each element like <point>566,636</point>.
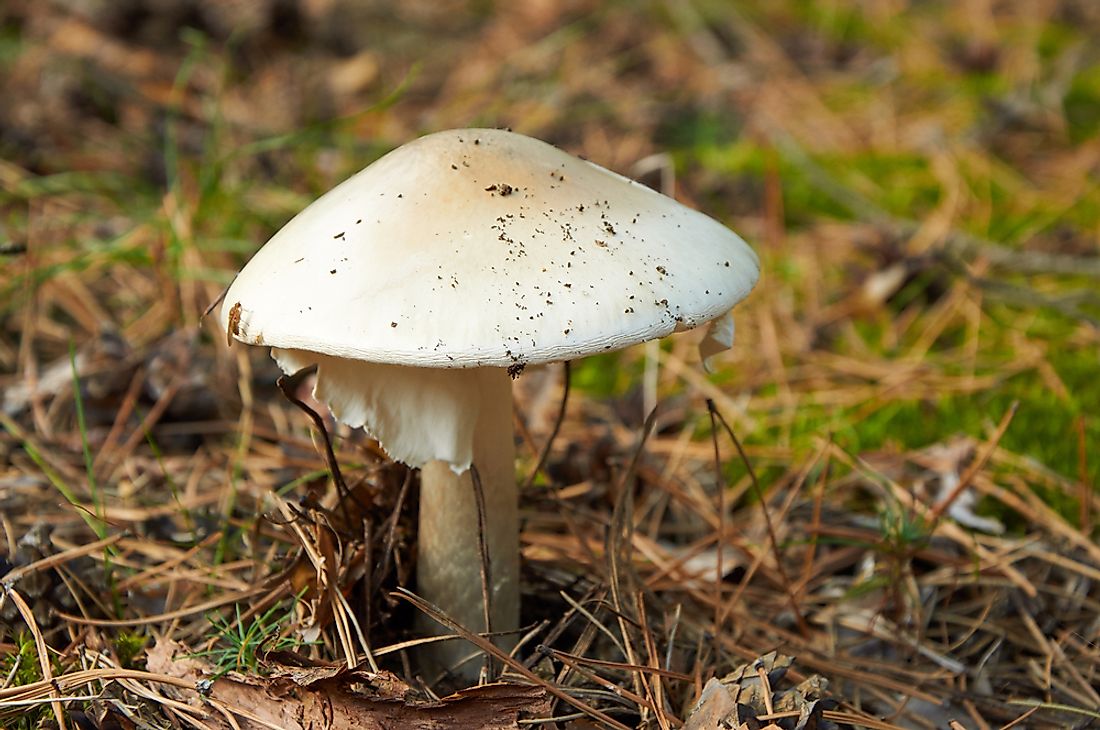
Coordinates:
<point>486,565</point>
<point>545,453</point>
<point>777,554</point>
<point>41,649</point>
<point>198,608</point>
<point>288,385</point>
<point>976,466</point>
<point>720,509</point>
<point>513,664</point>
<point>619,540</point>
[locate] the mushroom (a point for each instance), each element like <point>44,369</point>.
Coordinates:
<point>422,285</point>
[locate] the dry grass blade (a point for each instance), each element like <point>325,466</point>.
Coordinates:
<point>10,594</point>
<point>139,434</point>
<point>321,550</point>
<point>129,400</point>
<point>652,681</point>
<point>167,616</point>
<point>391,532</point>
<point>976,466</point>
<point>773,541</point>
<point>545,452</point>
<point>14,576</point>
<point>511,663</point>
<point>71,680</point>
<point>486,566</point>
<point>1090,714</point>
<point>643,702</point>
<point>619,666</point>
<point>621,577</point>
<point>720,509</point>
<point>860,721</point>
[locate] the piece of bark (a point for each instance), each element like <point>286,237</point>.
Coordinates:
<point>335,698</point>
<point>714,705</point>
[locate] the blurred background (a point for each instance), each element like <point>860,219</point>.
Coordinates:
<point>919,178</point>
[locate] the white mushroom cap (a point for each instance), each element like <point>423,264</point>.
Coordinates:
<point>482,247</point>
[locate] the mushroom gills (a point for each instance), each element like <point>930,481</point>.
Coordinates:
<point>717,338</point>
<point>418,415</point>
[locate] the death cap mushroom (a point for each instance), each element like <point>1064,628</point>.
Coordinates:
<point>421,284</point>
<point>474,248</point>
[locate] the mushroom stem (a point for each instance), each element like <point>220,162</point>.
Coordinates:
<point>441,420</point>
<point>449,559</point>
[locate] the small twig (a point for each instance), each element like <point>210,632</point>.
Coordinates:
<point>762,673</point>
<point>1021,718</point>
<point>288,384</point>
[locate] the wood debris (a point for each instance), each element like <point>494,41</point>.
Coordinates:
<point>337,698</point>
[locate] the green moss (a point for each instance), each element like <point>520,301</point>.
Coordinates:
<point>11,42</point>
<point>1082,104</point>
<point>602,376</point>
<point>1055,38</point>
<point>693,128</point>
<point>848,24</point>
<point>23,668</point>
<point>129,647</point>
<point>900,183</point>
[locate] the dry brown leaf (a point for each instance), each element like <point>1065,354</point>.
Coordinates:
<point>336,698</point>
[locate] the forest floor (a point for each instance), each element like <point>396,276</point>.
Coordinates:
<point>879,511</point>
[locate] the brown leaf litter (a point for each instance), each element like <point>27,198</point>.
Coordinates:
<point>918,585</point>
<point>334,697</point>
